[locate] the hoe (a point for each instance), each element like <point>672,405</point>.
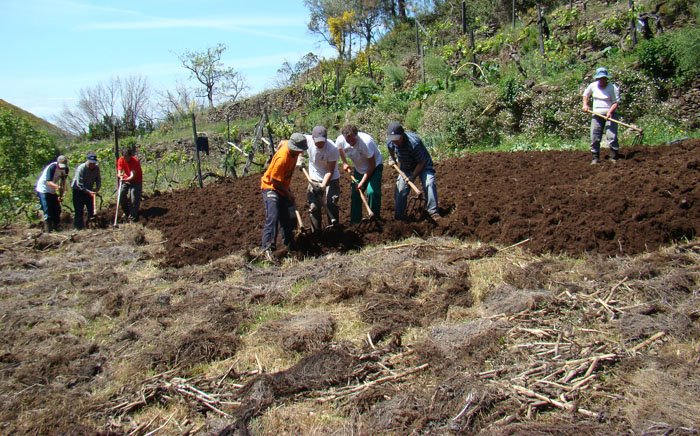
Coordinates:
<point>323,199</point>
<point>639,132</point>
<point>366,222</point>
<point>414,203</point>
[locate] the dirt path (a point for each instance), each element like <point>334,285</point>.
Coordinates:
<point>554,200</point>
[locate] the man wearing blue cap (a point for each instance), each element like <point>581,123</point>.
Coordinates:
<point>606,98</point>
<point>86,183</point>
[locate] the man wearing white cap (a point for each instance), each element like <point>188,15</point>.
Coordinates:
<point>324,188</point>
<point>50,189</point>
<point>606,98</point>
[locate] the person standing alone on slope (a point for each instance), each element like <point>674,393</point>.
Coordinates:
<point>606,98</point>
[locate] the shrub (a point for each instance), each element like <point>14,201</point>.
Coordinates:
<point>394,77</point>
<point>23,153</point>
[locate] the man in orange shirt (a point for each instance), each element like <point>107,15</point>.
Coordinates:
<point>278,198</point>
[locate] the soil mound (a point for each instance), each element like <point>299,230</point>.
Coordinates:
<point>555,201</point>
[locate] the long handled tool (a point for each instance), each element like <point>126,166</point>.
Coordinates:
<point>638,138</point>
<point>363,197</point>
<point>407,180</point>
<point>415,202</point>
<point>119,195</point>
<point>323,197</point>
<point>302,229</point>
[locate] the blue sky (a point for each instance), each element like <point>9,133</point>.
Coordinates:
<point>51,49</point>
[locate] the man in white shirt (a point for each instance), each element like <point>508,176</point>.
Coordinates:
<point>606,98</point>
<point>324,187</point>
<point>365,155</point>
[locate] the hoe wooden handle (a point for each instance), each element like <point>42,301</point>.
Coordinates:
<point>363,198</point>
<point>631,126</point>
<point>405,177</point>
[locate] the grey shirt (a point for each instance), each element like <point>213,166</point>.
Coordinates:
<point>86,179</point>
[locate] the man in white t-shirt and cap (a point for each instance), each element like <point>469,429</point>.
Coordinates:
<point>324,188</point>
<point>606,98</point>
<point>365,155</point>
<point>50,188</point>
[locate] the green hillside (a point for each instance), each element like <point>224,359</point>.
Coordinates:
<point>38,123</point>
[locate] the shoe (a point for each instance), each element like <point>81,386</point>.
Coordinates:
<point>595,161</point>
<point>334,223</point>
<point>435,217</point>
<point>268,256</point>
<point>613,156</point>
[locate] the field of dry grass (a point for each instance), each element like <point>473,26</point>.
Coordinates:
<point>424,335</point>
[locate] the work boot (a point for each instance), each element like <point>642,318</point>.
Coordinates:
<point>596,159</point>
<point>613,156</point>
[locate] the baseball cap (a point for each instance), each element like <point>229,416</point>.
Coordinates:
<point>62,161</point>
<point>395,131</point>
<point>92,157</point>
<point>297,142</point>
<point>319,134</point>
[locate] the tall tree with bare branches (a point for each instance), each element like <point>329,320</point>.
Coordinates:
<point>209,70</point>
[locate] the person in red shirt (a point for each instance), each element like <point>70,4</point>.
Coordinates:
<point>131,178</point>
<point>277,197</point>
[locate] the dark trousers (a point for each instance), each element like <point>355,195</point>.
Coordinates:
<point>51,207</point>
<point>277,214</point>
<point>131,200</point>
<point>81,201</point>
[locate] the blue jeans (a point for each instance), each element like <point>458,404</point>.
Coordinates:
<point>81,201</point>
<point>51,207</point>
<point>599,124</point>
<point>277,214</point>
<point>427,178</point>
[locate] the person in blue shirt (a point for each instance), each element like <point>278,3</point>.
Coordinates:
<point>415,161</point>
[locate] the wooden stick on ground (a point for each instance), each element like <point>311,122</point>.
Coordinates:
<point>564,406</point>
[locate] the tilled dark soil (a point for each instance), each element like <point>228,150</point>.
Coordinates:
<point>550,201</point>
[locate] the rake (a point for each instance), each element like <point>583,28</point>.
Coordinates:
<point>414,203</point>
<point>639,132</point>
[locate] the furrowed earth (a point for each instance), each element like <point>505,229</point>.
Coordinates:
<point>554,201</point>
<point>551,297</point>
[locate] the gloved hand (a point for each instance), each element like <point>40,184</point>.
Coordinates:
<point>391,162</point>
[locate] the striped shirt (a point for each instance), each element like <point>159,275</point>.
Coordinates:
<point>411,153</point>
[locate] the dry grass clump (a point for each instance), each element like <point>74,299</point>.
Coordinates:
<point>423,336</point>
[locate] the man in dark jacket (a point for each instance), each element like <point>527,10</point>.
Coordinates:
<point>415,161</point>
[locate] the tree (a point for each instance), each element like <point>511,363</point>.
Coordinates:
<point>289,74</point>
<point>320,12</point>
<point>208,69</point>
<point>370,15</point>
<point>115,102</point>
<point>135,96</point>
<point>178,101</point>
